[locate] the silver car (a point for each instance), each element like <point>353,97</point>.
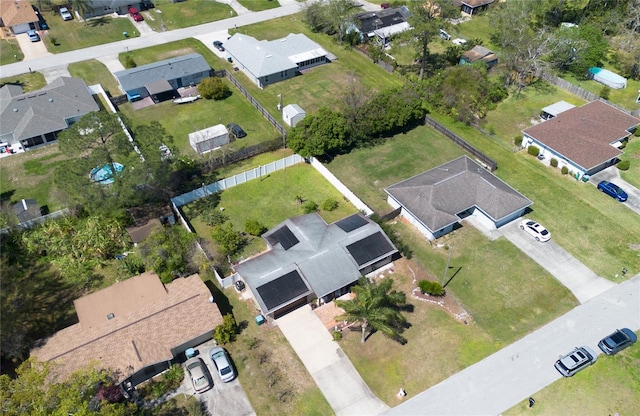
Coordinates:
<point>576,360</point>
<point>198,374</point>
<point>222,362</point>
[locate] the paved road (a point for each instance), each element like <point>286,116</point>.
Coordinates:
<point>575,276</point>
<point>612,174</point>
<point>518,371</point>
<point>330,368</point>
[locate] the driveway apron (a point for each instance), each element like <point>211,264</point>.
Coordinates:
<point>612,174</point>
<point>525,367</point>
<point>575,276</point>
<point>332,371</point>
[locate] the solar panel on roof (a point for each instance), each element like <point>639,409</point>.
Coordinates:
<point>370,248</point>
<point>284,236</point>
<point>282,290</point>
<point>351,223</point>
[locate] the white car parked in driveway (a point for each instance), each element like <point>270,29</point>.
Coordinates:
<point>65,14</point>
<point>536,230</point>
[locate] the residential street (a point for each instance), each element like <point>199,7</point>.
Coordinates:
<point>518,371</point>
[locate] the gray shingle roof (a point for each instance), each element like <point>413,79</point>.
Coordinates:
<point>44,111</point>
<point>436,196</point>
<point>320,256</point>
<point>169,69</point>
<point>263,58</point>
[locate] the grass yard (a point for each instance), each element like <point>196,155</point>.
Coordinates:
<point>177,15</point>
<point>30,175</point>
<point>624,97</point>
<point>94,72</point>
<point>632,153</point>
<point>171,50</point>
<point>10,52</point>
<point>494,283</point>
<point>272,199</point>
<point>608,387</point>
<point>71,35</point>
<point>28,81</point>
<point>259,5</point>
<point>268,367</point>
<point>479,27</point>
<point>597,230</point>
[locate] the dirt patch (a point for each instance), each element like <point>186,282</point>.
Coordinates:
<point>448,302</point>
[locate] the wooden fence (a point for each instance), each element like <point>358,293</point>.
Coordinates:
<point>484,159</point>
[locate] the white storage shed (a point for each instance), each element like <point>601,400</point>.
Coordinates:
<point>208,139</point>
<point>292,114</point>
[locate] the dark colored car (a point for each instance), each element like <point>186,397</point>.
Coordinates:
<point>218,45</point>
<point>617,341</point>
<point>385,5</point>
<point>240,285</point>
<point>236,130</point>
<point>613,190</point>
<point>578,359</point>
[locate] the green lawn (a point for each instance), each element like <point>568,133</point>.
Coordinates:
<point>9,52</point>
<point>171,50</point>
<point>72,34</point>
<point>632,153</point>
<point>493,282</point>
<point>28,81</point>
<point>269,360</point>
<point>176,15</point>
<point>94,72</point>
<point>624,97</point>
<point>258,5</point>
<point>611,386</point>
<point>272,199</point>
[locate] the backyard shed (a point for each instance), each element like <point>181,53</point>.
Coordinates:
<point>292,114</point>
<point>553,110</point>
<point>208,139</point>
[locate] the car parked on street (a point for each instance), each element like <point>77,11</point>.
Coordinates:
<point>198,374</point>
<point>536,230</point>
<point>33,36</point>
<point>613,190</point>
<point>616,342</point>
<point>65,13</point>
<point>222,362</point>
<point>236,130</point>
<point>218,45</point>
<point>578,359</point>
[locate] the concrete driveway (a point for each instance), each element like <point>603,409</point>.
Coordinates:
<point>582,282</point>
<point>330,368</point>
<point>612,174</point>
<point>32,50</point>
<point>520,370</point>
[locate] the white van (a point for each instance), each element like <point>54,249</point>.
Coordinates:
<point>444,35</point>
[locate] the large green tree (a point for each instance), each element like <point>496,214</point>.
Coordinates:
<point>323,133</point>
<point>377,307</point>
<point>168,251</point>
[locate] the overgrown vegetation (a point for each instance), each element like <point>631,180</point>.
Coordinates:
<point>226,332</point>
<point>213,88</point>
<point>431,288</point>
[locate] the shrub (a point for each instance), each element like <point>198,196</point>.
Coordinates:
<point>554,162</point>
<point>604,92</point>
<point>624,164</point>
<point>173,377</point>
<point>227,239</point>
<point>637,132</point>
<point>533,150</point>
<point>337,335</point>
<point>564,170</point>
<point>214,217</point>
<point>517,141</point>
<point>226,332</point>
<point>431,288</point>
<point>254,227</point>
<point>132,265</point>
<point>329,204</point>
<point>213,88</point>
<point>129,62</point>
<point>309,206</point>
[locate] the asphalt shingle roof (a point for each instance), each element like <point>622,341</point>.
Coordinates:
<point>169,69</point>
<point>436,196</point>
<point>584,134</point>
<point>44,111</point>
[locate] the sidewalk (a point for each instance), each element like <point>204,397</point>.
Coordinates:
<point>330,368</point>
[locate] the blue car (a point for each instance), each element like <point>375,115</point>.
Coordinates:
<point>613,190</point>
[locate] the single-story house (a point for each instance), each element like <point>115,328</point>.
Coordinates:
<point>267,62</point>
<point>292,114</point>
<point>27,210</point>
<point>36,117</point>
<point>103,7</point>
<point>384,35</point>
<point>585,139</point>
<point>307,258</point>
<point>472,7</point>
<point>159,80</point>
<point>18,16</point>
<point>395,19</point>
<point>436,200</point>
<point>554,109</point>
<point>208,139</point>
<point>137,327</point>
<point>479,53</point>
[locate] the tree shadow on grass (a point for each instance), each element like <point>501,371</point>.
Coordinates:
<point>101,21</point>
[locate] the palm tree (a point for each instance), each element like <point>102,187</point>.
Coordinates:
<point>376,307</point>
